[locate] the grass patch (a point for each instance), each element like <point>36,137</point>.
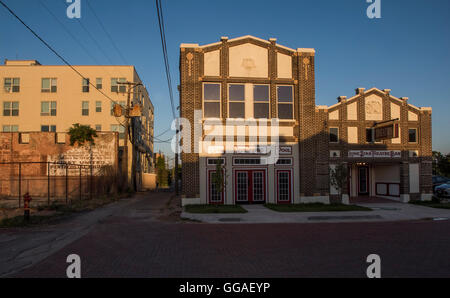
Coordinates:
<point>431,204</point>
<point>315,207</point>
<point>215,209</point>
<point>19,221</point>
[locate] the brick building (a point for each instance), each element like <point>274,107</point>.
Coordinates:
<point>231,89</point>
<point>45,162</point>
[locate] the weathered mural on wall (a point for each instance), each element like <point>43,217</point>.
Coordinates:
<point>102,154</point>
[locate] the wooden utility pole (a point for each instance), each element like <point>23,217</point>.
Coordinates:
<point>177,188</point>
<point>131,86</point>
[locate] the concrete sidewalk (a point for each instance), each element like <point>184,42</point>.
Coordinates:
<point>381,212</point>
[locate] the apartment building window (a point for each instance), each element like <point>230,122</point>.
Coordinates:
<point>116,87</point>
<point>285,99</point>
<point>48,128</point>
<point>211,100</point>
<point>11,108</point>
<point>10,128</point>
<point>412,135</point>
<point>334,135</point>
<point>12,85</point>
<point>85,108</point>
<point>85,85</point>
<point>49,85</point>
<point>98,127</point>
<point>120,129</point>
<point>99,83</point>
<point>98,106</point>
<point>48,108</point>
<point>236,101</point>
<point>261,101</point>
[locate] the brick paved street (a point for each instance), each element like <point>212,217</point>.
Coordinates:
<point>138,242</point>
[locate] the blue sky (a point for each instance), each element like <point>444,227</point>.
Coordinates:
<point>407,50</point>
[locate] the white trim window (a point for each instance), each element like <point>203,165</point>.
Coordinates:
<point>85,85</point>
<point>10,108</point>
<point>48,128</point>
<point>213,161</point>
<point>10,128</point>
<point>49,85</point>
<point>115,87</point>
<point>11,85</point>
<point>48,108</point>
<point>120,129</point>
<point>98,106</point>
<point>236,101</point>
<point>285,102</point>
<point>211,100</point>
<point>261,101</point>
<point>99,83</point>
<point>85,108</point>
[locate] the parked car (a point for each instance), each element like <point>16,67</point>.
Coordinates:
<point>443,190</point>
<point>438,180</point>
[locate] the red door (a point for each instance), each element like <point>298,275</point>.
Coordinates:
<point>250,186</point>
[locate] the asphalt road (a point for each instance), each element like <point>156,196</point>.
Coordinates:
<point>145,239</point>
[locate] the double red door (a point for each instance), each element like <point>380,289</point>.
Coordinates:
<point>250,186</point>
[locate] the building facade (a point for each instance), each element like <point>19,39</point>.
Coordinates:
<point>51,98</point>
<point>241,96</point>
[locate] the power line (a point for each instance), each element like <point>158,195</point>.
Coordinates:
<point>92,37</point>
<point>163,133</point>
<point>68,32</point>
<point>53,50</point>
<point>106,32</point>
<point>164,49</point>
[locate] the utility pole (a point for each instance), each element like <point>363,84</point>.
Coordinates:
<point>131,86</point>
<point>177,188</point>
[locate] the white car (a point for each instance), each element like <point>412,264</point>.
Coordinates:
<point>443,190</point>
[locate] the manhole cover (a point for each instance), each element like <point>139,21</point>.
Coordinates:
<point>229,219</point>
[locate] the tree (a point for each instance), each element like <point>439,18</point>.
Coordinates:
<point>161,171</point>
<point>338,177</point>
<point>441,164</point>
<point>81,134</point>
<point>219,176</point>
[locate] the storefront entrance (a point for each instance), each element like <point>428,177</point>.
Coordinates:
<point>250,186</point>
<point>363,181</point>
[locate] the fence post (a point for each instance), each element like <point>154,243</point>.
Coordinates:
<point>90,184</point>
<point>20,183</point>
<point>80,182</point>
<point>67,181</point>
<point>48,183</point>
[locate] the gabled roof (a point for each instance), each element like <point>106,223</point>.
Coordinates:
<point>195,45</point>
<point>385,91</point>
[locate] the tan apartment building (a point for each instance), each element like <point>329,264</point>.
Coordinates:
<point>231,87</point>
<point>51,98</point>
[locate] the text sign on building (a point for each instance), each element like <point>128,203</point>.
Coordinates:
<point>375,154</point>
<point>386,132</point>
